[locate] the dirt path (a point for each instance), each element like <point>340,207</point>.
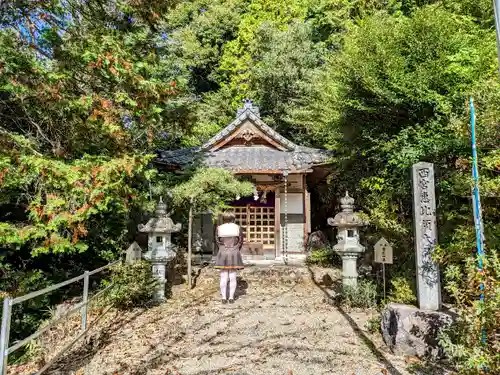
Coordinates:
<point>274,327</point>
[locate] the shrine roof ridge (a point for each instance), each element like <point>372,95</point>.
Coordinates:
<point>284,154</point>
<point>252,113</point>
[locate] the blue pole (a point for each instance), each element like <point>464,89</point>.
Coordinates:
<point>496,9</point>
<point>477,207</point>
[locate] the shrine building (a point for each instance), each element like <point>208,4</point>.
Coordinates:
<point>277,219</point>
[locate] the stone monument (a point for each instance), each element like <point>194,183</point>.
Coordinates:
<point>161,251</point>
<point>348,246</point>
<point>424,212</point>
<point>410,330</point>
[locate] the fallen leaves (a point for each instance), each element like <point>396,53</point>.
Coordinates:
<point>161,339</point>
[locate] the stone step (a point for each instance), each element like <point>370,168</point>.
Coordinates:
<point>261,260</point>
<point>275,274</point>
<point>260,273</point>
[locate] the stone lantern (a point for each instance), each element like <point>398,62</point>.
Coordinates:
<point>160,248</point>
<point>348,246</point>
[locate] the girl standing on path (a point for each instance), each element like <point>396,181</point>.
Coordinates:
<point>229,239</point>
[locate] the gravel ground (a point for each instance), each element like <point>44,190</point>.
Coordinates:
<point>278,325</point>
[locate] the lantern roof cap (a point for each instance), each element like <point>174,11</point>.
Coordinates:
<point>162,223</point>
<point>347,217</point>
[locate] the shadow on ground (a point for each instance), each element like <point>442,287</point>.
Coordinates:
<point>80,356</point>
<point>359,332</point>
<point>197,275</point>
<point>163,356</point>
<point>162,350</point>
<point>428,368</point>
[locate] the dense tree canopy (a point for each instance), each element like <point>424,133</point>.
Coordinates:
<point>90,89</point>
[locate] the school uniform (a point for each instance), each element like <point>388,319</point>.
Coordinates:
<point>229,239</point>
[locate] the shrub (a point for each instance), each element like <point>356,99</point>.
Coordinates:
<point>463,342</point>
<point>402,292</point>
<point>372,325</point>
<point>26,316</point>
<point>364,295</point>
<point>133,285</point>
<point>325,257</point>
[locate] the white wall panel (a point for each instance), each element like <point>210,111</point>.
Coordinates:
<point>295,203</point>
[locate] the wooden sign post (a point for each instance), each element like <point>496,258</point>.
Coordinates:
<point>383,254</point>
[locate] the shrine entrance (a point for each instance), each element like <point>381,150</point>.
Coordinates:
<point>257,218</point>
<point>276,219</point>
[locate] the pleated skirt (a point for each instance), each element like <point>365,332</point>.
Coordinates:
<point>229,258</point>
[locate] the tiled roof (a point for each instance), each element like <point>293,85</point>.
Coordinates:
<point>288,155</point>
<point>247,158</point>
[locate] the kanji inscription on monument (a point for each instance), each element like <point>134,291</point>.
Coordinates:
<point>424,213</point>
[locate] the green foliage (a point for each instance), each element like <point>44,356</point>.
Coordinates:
<point>286,60</point>
<point>402,291</point>
<point>74,111</point>
<point>26,316</point>
<point>133,285</point>
<point>88,90</point>
<point>239,53</point>
<point>66,196</point>
<point>86,94</point>
<point>464,341</point>
<point>364,295</point>
<point>326,257</point>
<point>210,189</point>
<point>373,324</point>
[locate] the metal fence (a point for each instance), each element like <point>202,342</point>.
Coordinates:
<point>9,302</point>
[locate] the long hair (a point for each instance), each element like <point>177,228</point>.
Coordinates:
<point>228,217</point>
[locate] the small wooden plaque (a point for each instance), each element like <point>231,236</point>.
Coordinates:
<point>383,251</point>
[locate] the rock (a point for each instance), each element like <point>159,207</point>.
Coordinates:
<point>327,280</point>
<point>63,308</point>
<point>409,331</point>
<point>317,240</point>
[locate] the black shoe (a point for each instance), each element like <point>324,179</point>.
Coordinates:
<point>231,301</point>
<point>224,301</point>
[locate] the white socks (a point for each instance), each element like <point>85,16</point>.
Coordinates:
<point>223,283</point>
<point>232,284</point>
<point>226,276</point>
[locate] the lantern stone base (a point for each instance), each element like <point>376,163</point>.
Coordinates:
<point>349,269</point>
<point>159,273</point>
<point>349,252</point>
<point>159,292</point>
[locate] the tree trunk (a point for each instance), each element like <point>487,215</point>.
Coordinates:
<point>190,245</point>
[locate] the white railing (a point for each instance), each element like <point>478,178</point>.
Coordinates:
<point>9,302</point>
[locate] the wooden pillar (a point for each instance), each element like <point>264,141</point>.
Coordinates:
<point>307,211</point>
<point>190,247</point>
<point>247,232</point>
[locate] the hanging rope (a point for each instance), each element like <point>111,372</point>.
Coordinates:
<point>285,231</point>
